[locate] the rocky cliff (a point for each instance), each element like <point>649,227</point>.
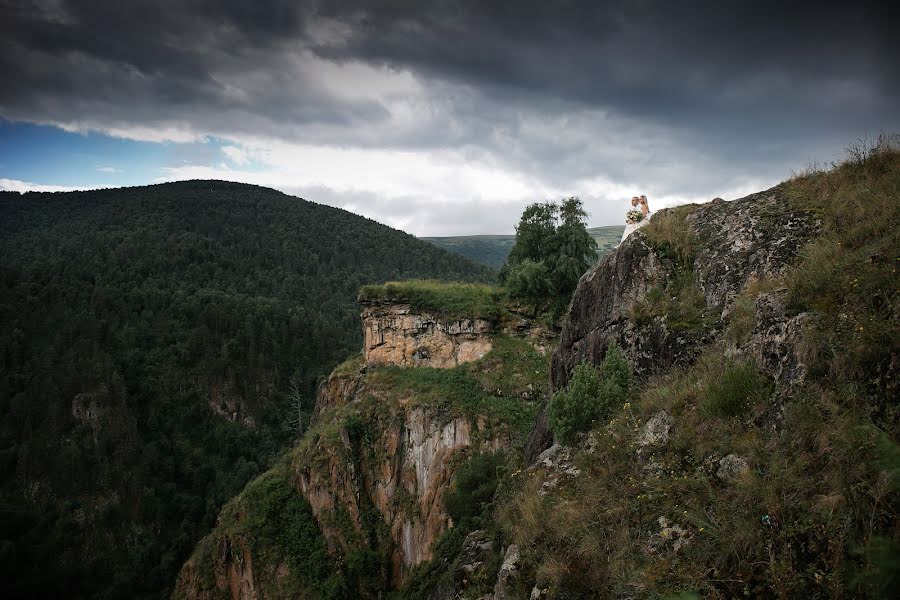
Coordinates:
<point>392,427</point>
<point>394,335</point>
<point>762,334</point>
<point>667,291</point>
<point>750,452</point>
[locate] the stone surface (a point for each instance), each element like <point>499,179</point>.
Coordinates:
<point>393,335</point>
<point>507,575</point>
<point>655,432</point>
<point>407,471</point>
<point>731,467</point>
<point>774,341</point>
<point>671,536</point>
<point>539,438</point>
<point>756,237</point>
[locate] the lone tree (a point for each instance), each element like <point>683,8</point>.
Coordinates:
<point>552,251</point>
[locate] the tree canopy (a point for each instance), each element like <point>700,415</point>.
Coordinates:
<point>552,250</point>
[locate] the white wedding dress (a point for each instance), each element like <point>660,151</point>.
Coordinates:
<point>632,227</point>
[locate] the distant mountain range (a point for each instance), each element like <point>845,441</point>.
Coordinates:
<point>492,250</point>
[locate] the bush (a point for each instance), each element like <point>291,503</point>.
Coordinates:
<point>530,282</point>
<point>591,395</point>
<point>739,386</point>
<point>473,489</point>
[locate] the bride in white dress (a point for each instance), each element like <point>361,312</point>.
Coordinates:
<point>631,225</point>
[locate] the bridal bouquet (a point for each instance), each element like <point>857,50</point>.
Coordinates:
<point>635,216</point>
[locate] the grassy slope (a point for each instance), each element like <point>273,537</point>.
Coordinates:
<point>492,250</point>
<point>816,514</point>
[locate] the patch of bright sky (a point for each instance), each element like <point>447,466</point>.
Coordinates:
<point>54,157</point>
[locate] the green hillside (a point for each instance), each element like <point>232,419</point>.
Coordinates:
<point>154,344</point>
<point>492,250</point>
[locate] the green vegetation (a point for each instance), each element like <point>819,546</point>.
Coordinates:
<point>488,250</point>
<point>447,300</point>
<point>848,276</point>
<point>591,396</point>
<point>738,387</point>
<point>551,253</point>
<point>814,512</point>
<point>492,250</point>
<point>671,237</point>
<point>278,526</point>
<point>125,315</point>
<point>813,509</point>
<point>679,300</point>
<point>500,392</point>
<point>472,490</point>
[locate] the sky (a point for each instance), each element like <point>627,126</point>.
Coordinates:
<point>442,117</point>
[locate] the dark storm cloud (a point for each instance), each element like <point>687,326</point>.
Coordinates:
<point>692,95</point>
<point>714,60</point>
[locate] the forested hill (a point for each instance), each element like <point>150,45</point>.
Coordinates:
<point>152,340</point>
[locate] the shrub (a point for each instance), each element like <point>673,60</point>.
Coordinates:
<point>472,489</point>
<point>591,395</point>
<point>530,282</point>
<point>738,387</point>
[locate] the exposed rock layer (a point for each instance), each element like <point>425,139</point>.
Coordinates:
<point>394,335</point>
<point>754,238</point>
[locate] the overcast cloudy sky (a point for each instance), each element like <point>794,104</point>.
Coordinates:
<point>442,117</point>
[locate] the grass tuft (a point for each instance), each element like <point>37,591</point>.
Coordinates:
<point>670,235</point>
<point>735,391</point>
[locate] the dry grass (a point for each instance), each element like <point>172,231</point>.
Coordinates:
<point>669,233</point>
<point>788,528</point>
<point>848,276</point>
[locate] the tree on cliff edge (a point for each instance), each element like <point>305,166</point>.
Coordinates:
<point>552,251</point>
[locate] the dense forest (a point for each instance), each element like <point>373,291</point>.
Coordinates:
<point>156,345</point>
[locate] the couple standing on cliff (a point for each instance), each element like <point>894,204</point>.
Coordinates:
<point>637,217</point>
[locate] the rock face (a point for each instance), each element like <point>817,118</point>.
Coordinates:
<point>773,343</point>
<point>394,335</point>
<point>403,474</point>
<point>377,462</point>
<point>754,238</point>
<point>655,432</point>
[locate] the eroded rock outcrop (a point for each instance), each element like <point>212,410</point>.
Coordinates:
<point>394,335</point>
<point>732,243</point>
<point>403,473</point>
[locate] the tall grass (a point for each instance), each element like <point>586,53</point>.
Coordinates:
<point>735,390</point>
<point>848,276</point>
